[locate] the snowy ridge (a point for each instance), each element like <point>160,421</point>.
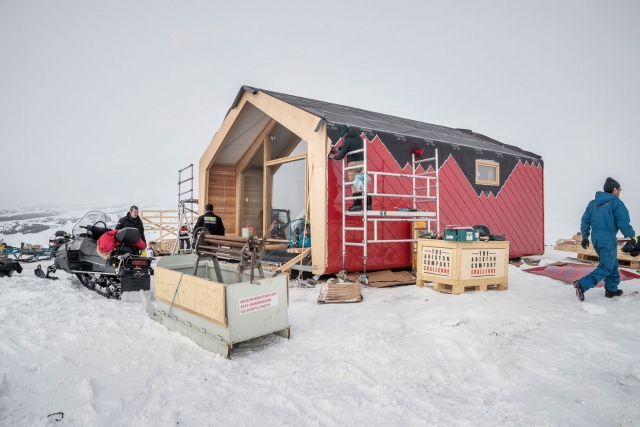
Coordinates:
<point>36,225</point>
<point>533,355</point>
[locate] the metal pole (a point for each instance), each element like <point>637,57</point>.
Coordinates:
<point>364,205</point>
<point>413,180</point>
<point>344,214</point>
<point>437,193</point>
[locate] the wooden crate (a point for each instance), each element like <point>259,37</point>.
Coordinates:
<point>456,267</point>
<point>163,247</point>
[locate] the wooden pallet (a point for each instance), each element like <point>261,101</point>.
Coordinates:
<point>462,288</point>
<point>593,259</point>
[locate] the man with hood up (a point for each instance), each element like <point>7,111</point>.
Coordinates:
<point>602,219</point>
<point>352,141</point>
<point>132,220</point>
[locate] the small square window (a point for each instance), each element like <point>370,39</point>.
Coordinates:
<point>487,172</point>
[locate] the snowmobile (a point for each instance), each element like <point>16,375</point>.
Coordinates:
<point>122,271</point>
<point>8,266</point>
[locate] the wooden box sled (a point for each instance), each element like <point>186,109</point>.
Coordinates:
<point>218,315</point>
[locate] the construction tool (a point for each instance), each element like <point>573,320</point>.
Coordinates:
<point>248,251</point>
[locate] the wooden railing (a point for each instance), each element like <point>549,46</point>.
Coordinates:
<point>161,222</point>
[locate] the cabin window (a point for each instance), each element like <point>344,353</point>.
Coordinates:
<point>487,172</point>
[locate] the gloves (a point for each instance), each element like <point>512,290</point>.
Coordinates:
<point>585,243</point>
<point>630,246</point>
<point>331,156</point>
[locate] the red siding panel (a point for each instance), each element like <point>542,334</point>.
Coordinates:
<point>517,211</point>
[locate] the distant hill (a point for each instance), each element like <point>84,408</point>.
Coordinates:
<point>35,226</point>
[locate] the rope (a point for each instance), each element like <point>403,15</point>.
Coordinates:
<point>174,294</point>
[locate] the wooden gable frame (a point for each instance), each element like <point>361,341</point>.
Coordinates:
<point>304,125</point>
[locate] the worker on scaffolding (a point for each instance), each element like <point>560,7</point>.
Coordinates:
<point>351,142</point>
<point>210,221</point>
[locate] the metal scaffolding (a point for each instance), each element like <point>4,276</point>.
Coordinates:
<point>431,194</point>
<point>186,214</point>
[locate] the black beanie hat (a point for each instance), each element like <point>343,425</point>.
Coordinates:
<point>610,184</point>
<point>343,130</point>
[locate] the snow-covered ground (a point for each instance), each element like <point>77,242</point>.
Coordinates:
<point>533,355</point>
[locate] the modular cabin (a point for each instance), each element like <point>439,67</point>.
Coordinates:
<point>270,155</point>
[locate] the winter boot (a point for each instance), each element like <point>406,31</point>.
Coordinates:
<point>357,203</point>
<point>579,290</point>
<point>369,203</point>
<point>611,294</point>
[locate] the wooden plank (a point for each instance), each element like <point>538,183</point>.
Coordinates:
<point>317,183</point>
<point>296,250</point>
<point>252,199</point>
<point>594,259</point>
<point>293,261</point>
<point>201,297</point>
<point>222,195</point>
<point>462,288</point>
<point>286,159</point>
<point>568,246</point>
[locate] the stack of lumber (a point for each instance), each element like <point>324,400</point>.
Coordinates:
<point>590,255</point>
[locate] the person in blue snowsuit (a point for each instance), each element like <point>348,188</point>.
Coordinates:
<point>602,219</point>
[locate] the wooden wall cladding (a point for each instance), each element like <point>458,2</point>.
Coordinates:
<point>252,199</point>
<point>198,296</point>
<point>222,194</point>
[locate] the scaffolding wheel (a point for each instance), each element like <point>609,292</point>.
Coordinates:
<point>342,275</point>
<point>363,279</point>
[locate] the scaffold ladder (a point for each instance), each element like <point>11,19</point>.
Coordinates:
<point>425,189</point>
<point>186,212</point>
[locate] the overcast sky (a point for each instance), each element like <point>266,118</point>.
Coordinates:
<point>105,101</point>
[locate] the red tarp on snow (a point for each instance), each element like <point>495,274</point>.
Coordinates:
<point>572,272</point>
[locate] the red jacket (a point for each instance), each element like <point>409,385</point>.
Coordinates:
<point>108,242</point>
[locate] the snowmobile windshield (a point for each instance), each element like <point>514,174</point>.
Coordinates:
<point>89,219</point>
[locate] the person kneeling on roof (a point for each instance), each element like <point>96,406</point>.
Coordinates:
<point>210,221</point>
<point>352,141</point>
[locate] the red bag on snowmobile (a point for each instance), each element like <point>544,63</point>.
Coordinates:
<point>108,242</point>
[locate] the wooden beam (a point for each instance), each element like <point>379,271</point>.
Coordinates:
<point>286,160</point>
<point>266,187</point>
<point>248,155</point>
<point>295,250</point>
<point>239,198</point>
<point>291,145</point>
<point>293,261</point>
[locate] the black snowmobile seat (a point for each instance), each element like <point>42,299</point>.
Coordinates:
<point>128,235</point>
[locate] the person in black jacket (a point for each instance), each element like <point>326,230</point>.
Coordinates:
<point>210,221</point>
<point>352,141</point>
<point>132,220</point>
